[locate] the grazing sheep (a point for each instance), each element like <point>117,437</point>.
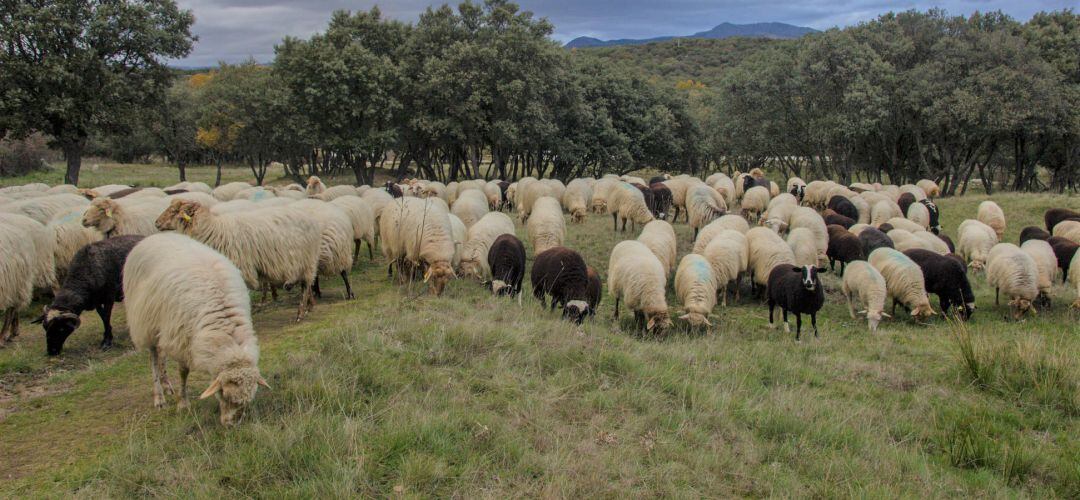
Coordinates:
<point>695,285</point>
<point>1065,250</point>
<point>809,219</point>
<point>43,258</point>
<point>1055,215</point>
<point>974,242</point>
<point>833,218</point>
<point>932,242</point>
<point>593,290</point>
<point>16,277</point>
<point>844,247</point>
<point>865,282</point>
<point>919,214</point>
<point>765,251</point>
<point>561,273</point>
<point>493,191</point>
<point>276,246</point>
<point>1068,229</point>
<point>334,192</point>
<point>659,236</point>
<point>678,188</point>
<point>843,206</point>
<point>905,201</point>
<point>1033,233</point>
<point>627,203</point>
<point>506,259</point>
<point>1046,263</point>
<point>904,281</point>
<point>991,214</point>
<point>378,199</point>
<point>470,206</point>
<point>801,241</point>
<point>187,302</point>
<point>661,200</point>
<point>929,187</point>
<point>647,194</point>
<point>728,255</point>
<point>934,222</point>
<point>914,190</point>
<point>44,208</point>
<point>884,210</point>
<point>816,193</point>
<point>336,243</point>
<point>905,224</point>
<point>106,190</point>
<point>478,240</point>
<point>726,187</point>
<point>710,231</point>
<point>798,290</point>
<point>546,227</point>
<point>576,199</point>
<point>362,218</point>
<point>754,202</point>
<point>872,239</point>
<point>69,236</point>
<point>226,192</point>
<point>945,277</point>
<point>1014,272</point>
<point>417,234</point>
<point>703,205</point>
<point>93,282</point>
<point>602,191</point>
<point>528,193</point>
<point>636,277</point>
<point>118,218</point>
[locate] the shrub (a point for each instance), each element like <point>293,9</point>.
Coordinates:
<point>22,156</point>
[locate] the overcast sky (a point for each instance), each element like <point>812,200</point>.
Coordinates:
<point>233,30</point>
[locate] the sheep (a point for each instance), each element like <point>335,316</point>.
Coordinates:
<point>1033,233</point>
<point>556,189</point>
<point>861,187</point>
<point>914,190</point>
<point>809,219</point>
<point>1046,263</point>
<point>470,206</point>
<point>801,241</point>
<point>277,246</point>
<point>546,227</point>
<point>394,189</point>
<point>118,218</point>
<point>844,247</point>
<point>932,242</point>
<point>905,201</point>
<point>774,188</point>
<point>1055,215</point>
<point>506,259</point>
<point>32,187</point>
<point>904,281</point>
<point>105,190</point>
<point>417,234</point>
<point>576,199</point>
<point>863,281</point>
<point>378,199</point>
<point>726,187</point>
<point>561,273</point>
<point>191,187</point>
<point>833,218</point>
<point>816,192</point>
<point>593,290</point>
<point>478,241</point>
<point>17,269</point>
<point>627,203</point>
<point>934,222</point>
<point>765,251</point>
<point>602,191</point>
<point>334,192</point>
<point>226,192</point>
<point>1014,272</point>
<point>946,277</point>
<point>636,277</point>
<point>1064,250</point>
<point>678,189</point>
<point>459,232</point>
<point>45,208</point>
<point>69,236</point>
<point>872,239</point>
<point>905,224</point>
<point>728,255</point>
<point>794,182</point>
<point>256,194</point>
<point>659,236</point>
<point>929,187</point>
<point>436,189</point>
<point>883,211</point>
<point>93,282</point>
<point>43,257</point>
<point>187,302</point>
<point>695,285</point>
<point>1074,266</point>
<point>991,214</point>
<point>528,194</point>
<point>493,191</point>
<point>198,196</point>
<point>974,242</point>
<point>710,231</point>
<point>796,289</point>
<point>1068,229</point>
<point>843,206</point>
<point>919,214</point>
<point>362,218</point>
<point>661,200</point>
<point>754,202</point>
<point>781,199</point>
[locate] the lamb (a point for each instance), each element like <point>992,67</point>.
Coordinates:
<point>754,202</point>
<point>627,203</point>
<point>1068,229</point>
<point>1065,250</point>
<point>929,187</point>
<point>661,200</point>
<point>470,206</point>
<point>417,234</point>
<point>798,290</point>
<point>843,206</point>
<point>1033,233</point>
<point>93,282</point>
<point>991,214</point>
<point>904,281</point>
<point>1046,263</point>
<point>1014,272</point>
<point>506,259</point>
<point>919,214</point>
<point>765,251</point>
<point>844,247</point>
<point>561,273</point>
<point>1055,215</point>
<point>576,199</point>
<point>974,242</point>
<point>226,192</point>
<point>118,218</point>
<point>865,282</point>
<point>728,255</point>
<point>695,285</point>
<point>636,276</point>
<point>659,236</point>
<point>362,218</point>
<point>710,231</point>
<point>593,290</point>
<point>801,241</point>
<point>44,208</point>
<point>546,227</point>
<point>69,236</point>
<point>945,277</point>
<point>16,277</point>
<point>187,302</point>
<point>278,246</point>
<point>478,241</point>
<point>872,239</point>
<point>43,257</point>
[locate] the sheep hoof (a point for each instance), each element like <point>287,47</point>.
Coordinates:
<point>787,328</point>
<point>182,404</point>
<point>159,402</point>
<point>106,345</point>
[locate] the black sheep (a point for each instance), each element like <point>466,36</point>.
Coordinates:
<point>503,203</point>
<point>872,239</point>
<point>844,247</point>
<point>116,195</point>
<point>593,290</point>
<point>1033,233</point>
<point>798,290</point>
<point>657,179</point>
<point>171,192</point>
<point>946,277</point>
<point>905,200</point>
<point>935,215</point>
<point>661,196</point>
<point>646,193</point>
<point>562,273</point>
<point>393,189</point>
<point>751,181</point>
<point>93,281</point>
<point>1054,216</point>
<point>885,228</point>
<point>1064,250</point>
<point>831,217</point>
<point>843,206</point>
<point>798,191</point>
<point>506,258</point>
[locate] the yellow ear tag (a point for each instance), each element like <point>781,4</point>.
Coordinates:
<point>108,212</point>
<point>186,217</point>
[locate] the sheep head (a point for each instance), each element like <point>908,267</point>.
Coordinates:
<point>167,220</point>
<point>577,216</point>
<point>186,213</point>
<point>1019,306</point>
<point>58,325</point>
<point>500,287</point>
<point>315,185</point>
<point>100,214</point>
<point>976,265</point>
<point>576,311</point>
<point>696,319</point>
<point>922,311</point>
<point>658,322</point>
<point>234,388</point>
<point>471,268</point>
<point>438,275</point>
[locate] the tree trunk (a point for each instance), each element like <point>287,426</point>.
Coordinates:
<point>183,170</point>
<point>217,178</point>
<point>73,150</point>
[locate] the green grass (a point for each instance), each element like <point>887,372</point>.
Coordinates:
<point>402,393</point>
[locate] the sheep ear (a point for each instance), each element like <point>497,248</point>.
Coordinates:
<point>652,323</point>
<point>215,386</point>
<point>263,383</point>
<point>884,314</point>
<point>863,312</point>
<point>427,275</point>
<point>685,316</point>
<point>707,323</point>
<point>108,212</point>
<point>822,269</point>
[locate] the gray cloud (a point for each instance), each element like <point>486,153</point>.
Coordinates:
<point>235,30</point>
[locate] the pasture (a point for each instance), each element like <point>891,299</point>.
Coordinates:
<point>402,393</point>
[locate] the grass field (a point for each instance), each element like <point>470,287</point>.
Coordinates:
<point>399,393</point>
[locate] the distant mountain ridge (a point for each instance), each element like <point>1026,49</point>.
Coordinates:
<point>723,30</point>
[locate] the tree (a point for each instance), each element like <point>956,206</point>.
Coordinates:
<point>173,123</point>
<point>74,66</point>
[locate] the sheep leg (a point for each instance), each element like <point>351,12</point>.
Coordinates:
<point>616,317</point>
<point>850,306</point>
<point>798,326</point>
<point>695,233</point>
<point>370,251</point>
<point>348,287</point>
<point>723,291</point>
<point>182,399</point>
<point>614,222</point>
<point>315,288</point>
<point>8,315</point>
<point>787,326</point>
<point>105,312</point>
<point>997,296</point>
<point>894,306</point>
<point>813,322</point>
<point>771,306</point>
<point>155,370</point>
<point>624,225</point>
<point>356,250</point>
<point>273,293</point>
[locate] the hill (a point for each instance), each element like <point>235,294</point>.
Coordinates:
<point>699,59</point>
<point>720,31</point>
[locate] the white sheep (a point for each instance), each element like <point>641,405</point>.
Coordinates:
<point>801,242</point>
<point>436,189</point>
<point>659,236</point>
<point>546,227</point>
<point>334,192</point>
<point>864,282</point>
<point>1014,272</point>
<point>336,243</point>
<point>915,191</point>
<point>470,206</point>
<point>728,255</point>
<point>556,189</point>
<point>905,224</point>
<point>315,186</point>
<point>198,196</point>
<point>884,210</point>
<point>529,190</point>
<point>932,242</point>
<point>16,277</point>
<point>726,187</point>
<point>187,302</point>
<point>377,198</point>
<point>991,214</point>
<point>973,243</point>
<point>417,234</point>
<point>919,214</point>
<point>707,233</point>
<point>1068,229</point>
<point>362,217</point>
<point>69,235</point>
<point>226,192</point>
<point>478,240</point>
<point>816,193</point>
<point>1045,262</point>
<point>122,217</point>
<point>904,281</point>
<point>103,191</point>
<point>695,286</point>
<point>458,233</point>
<point>636,277</point>
<point>678,187</point>
<point>256,194</point>
<point>754,202</point>
<point>627,203</point>
<point>765,250</point>
<point>32,187</point>
<point>43,258</point>
<point>577,199</point>
<point>44,208</point>
<point>929,187</point>
<point>703,205</point>
<point>809,219</point>
<point>602,191</point>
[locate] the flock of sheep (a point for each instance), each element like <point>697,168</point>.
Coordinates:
<point>184,258</point>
